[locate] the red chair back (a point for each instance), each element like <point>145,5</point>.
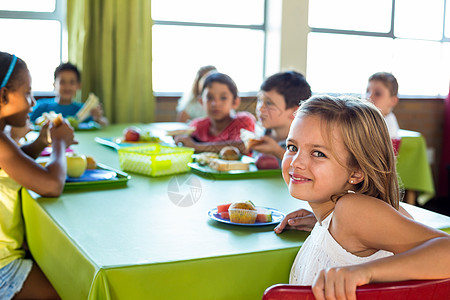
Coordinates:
<point>401,290</point>
<point>396,144</point>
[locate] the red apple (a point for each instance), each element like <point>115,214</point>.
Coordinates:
<point>266,161</point>
<point>76,164</point>
<point>131,134</point>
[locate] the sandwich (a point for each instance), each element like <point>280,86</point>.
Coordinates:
<point>249,138</point>
<point>85,111</point>
<point>228,165</point>
<point>53,117</point>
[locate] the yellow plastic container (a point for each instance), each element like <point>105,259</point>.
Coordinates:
<point>155,159</point>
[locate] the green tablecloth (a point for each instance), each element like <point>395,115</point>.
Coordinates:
<point>135,243</point>
<point>413,167</point>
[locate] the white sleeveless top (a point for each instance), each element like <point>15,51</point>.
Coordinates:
<point>320,251</point>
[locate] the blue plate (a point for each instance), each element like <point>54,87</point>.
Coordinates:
<point>277,217</point>
<point>119,142</point>
<point>91,125</point>
<point>93,175</point>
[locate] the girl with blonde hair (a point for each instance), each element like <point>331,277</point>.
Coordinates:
<point>341,161</point>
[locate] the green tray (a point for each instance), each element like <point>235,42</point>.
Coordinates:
<point>121,179</point>
<point>253,172</point>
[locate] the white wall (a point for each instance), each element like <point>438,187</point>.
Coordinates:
<point>294,32</point>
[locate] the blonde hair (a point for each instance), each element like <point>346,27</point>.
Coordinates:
<point>366,137</point>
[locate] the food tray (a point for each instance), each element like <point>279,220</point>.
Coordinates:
<point>252,172</point>
<point>155,159</point>
<point>118,142</point>
<point>119,180</point>
<point>86,126</point>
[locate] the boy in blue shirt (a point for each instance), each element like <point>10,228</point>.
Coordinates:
<point>67,83</point>
<point>279,97</point>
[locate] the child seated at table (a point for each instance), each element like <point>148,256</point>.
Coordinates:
<point>382,90</point>
<point>189,106</point>
<point>278,99</point>
<point>222,125</point>
<point>67,83</point>
<point>22,278</point>
<point>338,160</point>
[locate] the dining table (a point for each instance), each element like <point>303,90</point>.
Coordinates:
<point>413,167</point>
<point>154,237</point>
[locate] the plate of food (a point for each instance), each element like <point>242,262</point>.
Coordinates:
<point>84,126</point>
<point>245,213</point>
<point>171,128</point>
<point>132,136</point>
<point>99,176</point>
<point>230,164</point>
<point>119,142</point>
<point>94,175</point>
<point>58,118</point>
<point>48,151</point>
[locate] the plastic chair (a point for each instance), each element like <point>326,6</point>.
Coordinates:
<point>402,290</point>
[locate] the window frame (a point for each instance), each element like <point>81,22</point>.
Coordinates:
<point>262,27</point>
<point>58,14</point>
<point>389,34</point>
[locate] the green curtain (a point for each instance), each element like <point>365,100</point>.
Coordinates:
<point>110,41</point>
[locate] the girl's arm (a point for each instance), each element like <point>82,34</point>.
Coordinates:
<point>35,148</point>
<point>270,146</point>
<point>301,219</point>
<point>209,146</point>
<point>362,225</point>
<point>46,181</point>
<point>182,116</point>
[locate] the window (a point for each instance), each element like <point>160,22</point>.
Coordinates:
<point>352,39</point>
<point>33,30</point>
<point>227,34</point>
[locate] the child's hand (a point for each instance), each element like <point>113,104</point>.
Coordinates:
<point>63,132</point>
<point>269,146</point>
<point>43,133</point>
<point>186,140</point>
<point>301,219</point>
<point>97,113</point>
<point>340,283</point>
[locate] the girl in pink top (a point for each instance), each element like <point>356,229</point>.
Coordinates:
<point>222,126</point>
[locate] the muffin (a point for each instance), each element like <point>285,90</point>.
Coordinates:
<point>243,212</point>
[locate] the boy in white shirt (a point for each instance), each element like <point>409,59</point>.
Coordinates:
<point>382,90</point>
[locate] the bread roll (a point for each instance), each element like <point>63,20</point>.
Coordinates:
<point>230,153</point>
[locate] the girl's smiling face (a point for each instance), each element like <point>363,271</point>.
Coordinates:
<point>310,167</point>
<point>218,101</point>
<point>19,102</point>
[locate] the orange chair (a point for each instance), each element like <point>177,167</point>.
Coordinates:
<point>402,290</point>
